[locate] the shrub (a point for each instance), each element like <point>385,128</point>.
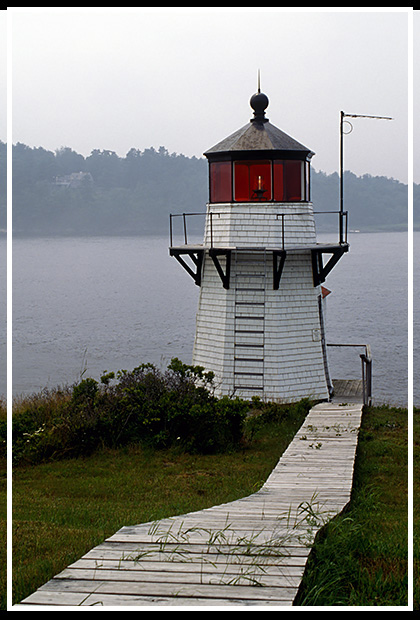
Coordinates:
<point>163,409</point>
<point>176,407</point>
<point>34,422</point>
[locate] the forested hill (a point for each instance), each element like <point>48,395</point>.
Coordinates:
<point>64,193</point>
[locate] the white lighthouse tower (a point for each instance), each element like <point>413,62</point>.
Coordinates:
<point>260,325</point>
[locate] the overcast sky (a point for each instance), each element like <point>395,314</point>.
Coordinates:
<point>134,78</point>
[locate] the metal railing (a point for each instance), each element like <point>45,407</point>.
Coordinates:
<point>184,218</point>
<point>343,223</point>
<point>366,359</point>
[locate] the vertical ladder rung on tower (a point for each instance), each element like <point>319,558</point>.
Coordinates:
<point>249,317</point>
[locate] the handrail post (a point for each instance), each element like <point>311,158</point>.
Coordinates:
<point>367,376</point>
<point>363,380</point>
<point>185,229</point>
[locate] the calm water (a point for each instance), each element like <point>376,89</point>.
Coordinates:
<point>86,305</point>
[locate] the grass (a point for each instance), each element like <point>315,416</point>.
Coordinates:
<point>360,557</point>
<point>62,509</point>
<point>3,510</point>
<point>416,509</point>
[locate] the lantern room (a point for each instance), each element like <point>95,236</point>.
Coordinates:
<point>259,163</point>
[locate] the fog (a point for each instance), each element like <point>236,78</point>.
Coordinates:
<point>182,78</point>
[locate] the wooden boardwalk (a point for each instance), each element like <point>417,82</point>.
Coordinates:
<point>222,556</point>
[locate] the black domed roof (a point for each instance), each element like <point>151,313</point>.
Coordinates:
<point>260,135</point>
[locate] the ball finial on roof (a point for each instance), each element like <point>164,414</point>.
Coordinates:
<point>259,103</point>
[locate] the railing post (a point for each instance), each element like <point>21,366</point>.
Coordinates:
<point>185,229</point>
<point>363,380</point>
<point>367,376</point>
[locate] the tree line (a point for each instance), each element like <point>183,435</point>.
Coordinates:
<point>136,193</point>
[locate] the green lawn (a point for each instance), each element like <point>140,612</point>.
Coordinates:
<point>361,557</point>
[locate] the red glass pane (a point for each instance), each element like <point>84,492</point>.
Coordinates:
<point>241,180</point>
<point>252,181</point>
<point>220,181</point>
<point>278,169</point>
<point>293,180</point>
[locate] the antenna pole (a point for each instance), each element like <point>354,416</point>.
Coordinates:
<point>342,121</point>
<point>341,175</point>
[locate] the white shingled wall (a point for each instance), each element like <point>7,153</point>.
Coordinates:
<point>259,225</point>
<point>257,340</point>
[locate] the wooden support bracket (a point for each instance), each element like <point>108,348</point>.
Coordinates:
<point>197,258</point>
<point>319,270</point>
<point>278,267</point>
<point>224,275</point>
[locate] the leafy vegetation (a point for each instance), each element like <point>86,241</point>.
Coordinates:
<point>135,194</point>
<point>175,408</point>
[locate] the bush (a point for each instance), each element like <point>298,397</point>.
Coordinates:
<point>210,427</point>
<point>176,407</point>
<point>162,409</point>
<point>34,422</point>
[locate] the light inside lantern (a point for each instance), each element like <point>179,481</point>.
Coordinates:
<point>252,180</point>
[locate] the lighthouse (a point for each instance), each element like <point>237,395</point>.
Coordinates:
<point>260,319</point>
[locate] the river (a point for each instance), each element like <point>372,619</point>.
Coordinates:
<point>89,304</point>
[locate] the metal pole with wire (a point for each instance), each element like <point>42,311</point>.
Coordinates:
<point>343,115</point>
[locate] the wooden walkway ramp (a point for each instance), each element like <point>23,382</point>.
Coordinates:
<point>250,552</point>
